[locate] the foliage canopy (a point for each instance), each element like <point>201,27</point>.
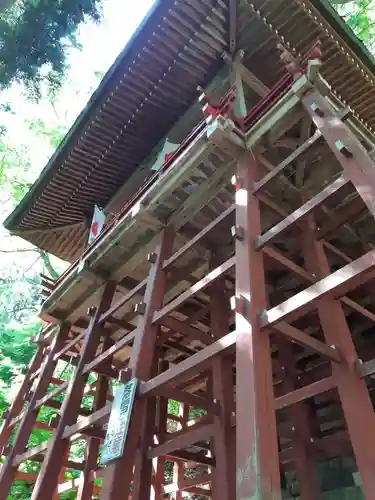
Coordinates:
<point>35,37</point>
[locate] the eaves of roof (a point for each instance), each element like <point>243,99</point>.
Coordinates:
<point>129,51</point>
<point>84,170</point>
<point>345,33</point>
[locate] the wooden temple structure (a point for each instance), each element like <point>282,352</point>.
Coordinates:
<point>232,271</point>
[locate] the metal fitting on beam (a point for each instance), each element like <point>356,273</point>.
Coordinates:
<point>238,233</point>
<point>91,311</point>
<point>151,257</point>
<point>315,108</point>
<point>124,375</point>
<point>238,305</point>
<point>140,308</point>
<point>343,149</point>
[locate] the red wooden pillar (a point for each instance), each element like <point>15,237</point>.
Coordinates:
<point>178,466</point>
<point>299,421</point>
<point>161,425</point>
<point>352,389</point>
<point>223,484</point>
<point>142,484</point>
<point>118,475</point>
<point>86,487</point>
<point>49,474</point>
<point>56,496</point>
<point>18,401</point>
<point>8,470</point>
<point>357,165</point>
<point>258,473</point>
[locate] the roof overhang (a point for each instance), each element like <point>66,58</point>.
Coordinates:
<point>178,46</point>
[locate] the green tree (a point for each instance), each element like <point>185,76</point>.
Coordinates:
<point>360,17</point>
<point>35,37</point>
<point>20,262</point>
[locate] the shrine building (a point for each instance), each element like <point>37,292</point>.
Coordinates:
<point>215,201</point>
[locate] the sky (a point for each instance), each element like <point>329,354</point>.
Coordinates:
<point>101,45</point>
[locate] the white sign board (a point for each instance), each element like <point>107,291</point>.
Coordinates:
<point>118,424</point>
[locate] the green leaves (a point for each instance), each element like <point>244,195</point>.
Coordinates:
<point>54,134</point>
<point>36,35</point>
<point>360,16</point>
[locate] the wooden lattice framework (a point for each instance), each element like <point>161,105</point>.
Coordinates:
<point>247,375</point>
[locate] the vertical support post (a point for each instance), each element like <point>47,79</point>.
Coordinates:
<point>118,475</point>
<point>159,462</point>
<point>56,496</point>
<point>18,401</point>
<point>223,484</point>
<point>357,165</point>
<point>352,389</point>
<point>178,466</point>
<point>142,484</point>
<point>258,473</point>
<point>240,108</point>
<point>50,470</point>
<point>86,487</point>
<point>8,470</point>
<point>298,418</point>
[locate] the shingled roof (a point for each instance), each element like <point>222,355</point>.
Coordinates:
<point>153,82</point>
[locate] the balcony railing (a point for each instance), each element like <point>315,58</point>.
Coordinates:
<point>224,108</point>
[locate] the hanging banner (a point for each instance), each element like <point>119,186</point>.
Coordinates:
<point>118,424</point>
<point>97,224</point>
<point>168,149</point>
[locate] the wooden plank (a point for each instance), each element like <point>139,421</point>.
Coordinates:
<point>198,237</point>
<point>198,287</point>
<point>336,285</point>
<point>308,391</point>
<point>285,163</point>
<point>303,211</point>
<point>185,440</point>
<point>183,371</point>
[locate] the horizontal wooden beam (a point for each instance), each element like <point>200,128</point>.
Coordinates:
<point>335,285</point>
<point>184,370</point>
<point>96,362</point>
<point>199,236</point>
<point>188,483</point>
<point>299,337</point>
<point>301,212</point>
<point>128,296</point>
<point>306,392</point>
<point>86,422</point>
<point>202,284</point>
<point>285,163</point>
<point>180,442</point>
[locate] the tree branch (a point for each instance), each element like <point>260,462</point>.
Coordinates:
<point>19,250</point>
<point>47,262</point>
<point>42,254</point>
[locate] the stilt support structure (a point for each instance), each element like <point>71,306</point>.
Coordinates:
<point>238,349</point>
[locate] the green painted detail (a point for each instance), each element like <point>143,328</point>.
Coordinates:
<point>240,108</point>
<point>81,266</point>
